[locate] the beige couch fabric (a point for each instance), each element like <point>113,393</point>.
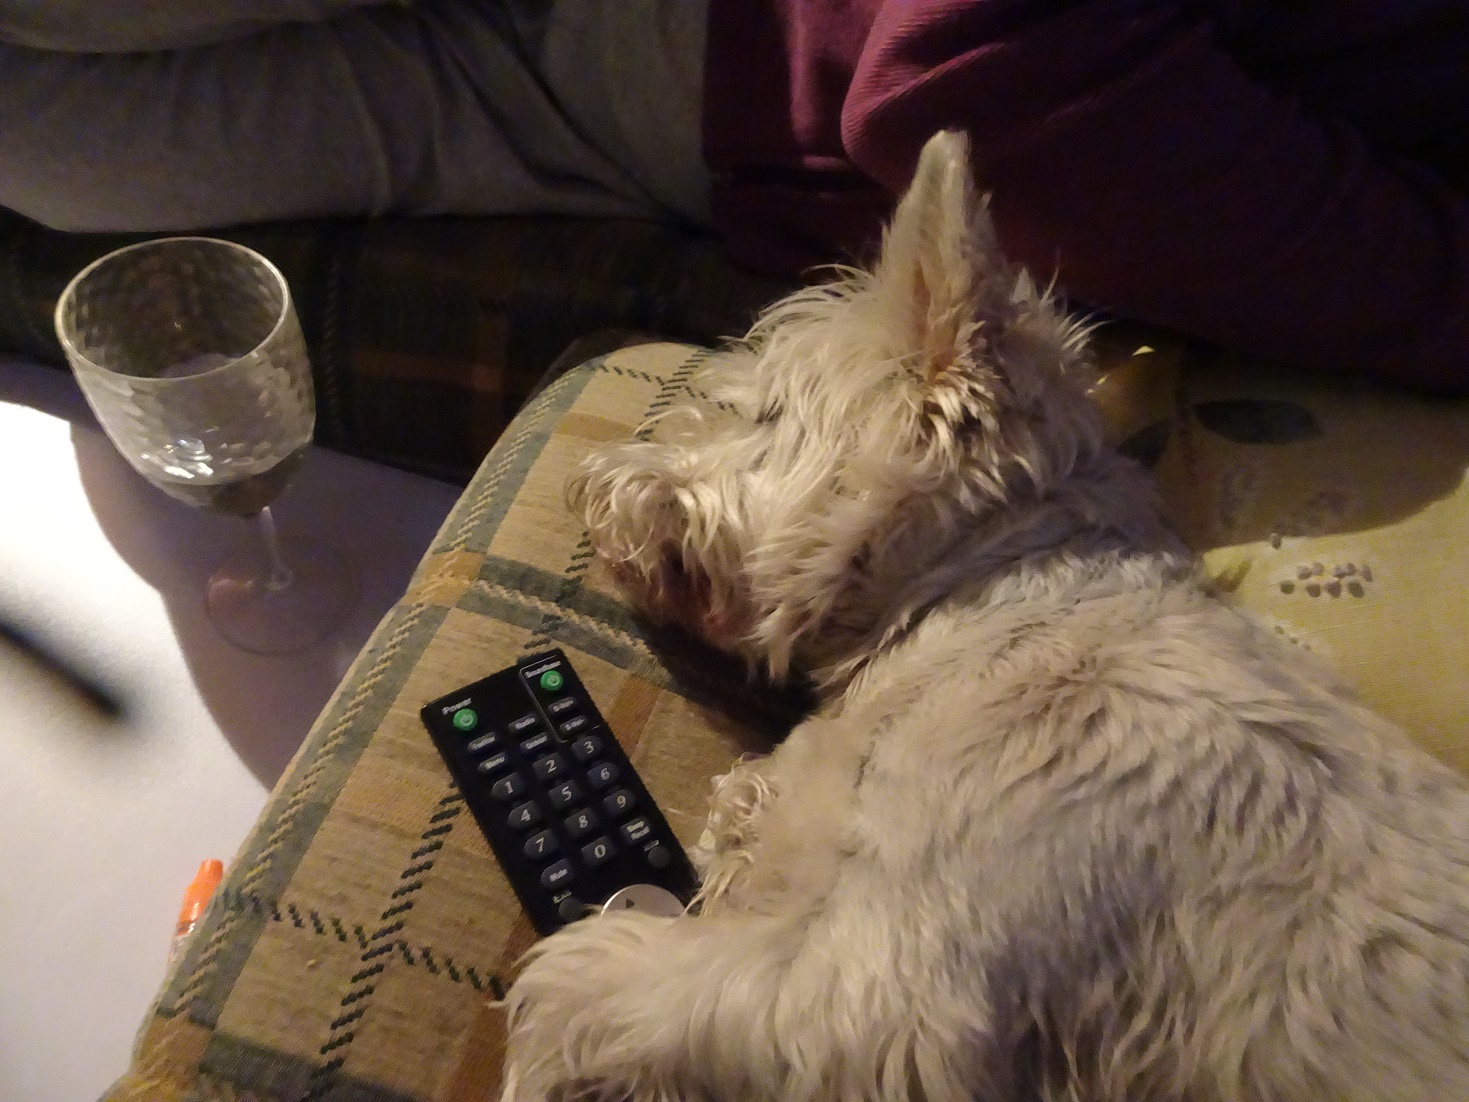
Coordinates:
<point>364,928</point>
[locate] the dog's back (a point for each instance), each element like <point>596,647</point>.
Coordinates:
<point>1194,866</point>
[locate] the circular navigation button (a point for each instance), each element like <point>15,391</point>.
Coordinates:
<point>647,898</point>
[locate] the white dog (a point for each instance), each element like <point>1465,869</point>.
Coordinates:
<point>1064,826</point>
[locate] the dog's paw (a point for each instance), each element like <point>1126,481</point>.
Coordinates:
<point>725,851</point>
<point>578,1019</point>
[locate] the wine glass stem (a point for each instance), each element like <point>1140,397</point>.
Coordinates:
<point>281,575</point>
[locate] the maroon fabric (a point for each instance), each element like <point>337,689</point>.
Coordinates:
<point>1232,168</point>
<point>785,193</point>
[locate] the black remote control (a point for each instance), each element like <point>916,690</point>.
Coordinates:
<point>561,806</point>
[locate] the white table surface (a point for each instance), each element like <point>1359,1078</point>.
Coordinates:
<point>104,821</point>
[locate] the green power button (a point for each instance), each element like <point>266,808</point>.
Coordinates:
<point>465,719</point>
<point>552,680</point>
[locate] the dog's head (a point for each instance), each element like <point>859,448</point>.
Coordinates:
<point>875,420</point>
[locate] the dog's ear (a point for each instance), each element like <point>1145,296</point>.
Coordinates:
<point>940,257</point>
<point>959,304</point>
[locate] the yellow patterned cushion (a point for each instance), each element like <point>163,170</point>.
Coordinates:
<point>1337,511</point>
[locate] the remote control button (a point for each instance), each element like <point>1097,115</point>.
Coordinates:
<point>541,845</point>
<point>564,795</point>
<point>557,875</point>
<point>581,823</point>
<point>586,748</point>
<point>571,908</point>
<point>549,768</point>
<point>562,706</point>
<point>494,763</point>
<point>507,788</point>
<point>619,803</point>
<point>649,899</point>
<point>573,725</point>
<point>484,742</point>
<point>596,853</point>
<point>465,719</point>
<point>524,815</point>
<point>524,723</point>
<point>535,744</point>
<point>658,855</point>
<point>552,680</point>
<point>635,830</point>
<point>602,774</point>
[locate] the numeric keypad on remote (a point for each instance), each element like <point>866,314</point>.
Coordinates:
<point>560,804</point>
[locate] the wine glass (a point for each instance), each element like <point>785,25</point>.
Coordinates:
<point>190,354</point>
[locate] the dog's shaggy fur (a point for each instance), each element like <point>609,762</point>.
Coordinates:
<point>1064,826</point>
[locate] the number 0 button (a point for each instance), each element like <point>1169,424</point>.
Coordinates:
<point>596,853</point>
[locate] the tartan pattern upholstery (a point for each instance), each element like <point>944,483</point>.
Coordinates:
<point>364,927</point>
<point>426,335</point>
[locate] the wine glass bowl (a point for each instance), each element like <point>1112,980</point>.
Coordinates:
<point>191,356</point>
<point>190,353</point>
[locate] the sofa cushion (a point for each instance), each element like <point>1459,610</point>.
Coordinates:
<point>364,928</point>
<point>1338,512</point>
<point>364,931</point>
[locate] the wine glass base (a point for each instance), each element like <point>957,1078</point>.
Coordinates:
<point>265,618</point>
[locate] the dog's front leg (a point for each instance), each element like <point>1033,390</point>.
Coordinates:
<point>747,1008</point>
<point>630,1006</point>
<point>785,987</point>
<point>839,1004</point>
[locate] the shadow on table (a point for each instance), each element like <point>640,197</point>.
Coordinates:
<point>379,518</point>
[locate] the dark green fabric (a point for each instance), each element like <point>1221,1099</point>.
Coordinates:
<point>426,335</point>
